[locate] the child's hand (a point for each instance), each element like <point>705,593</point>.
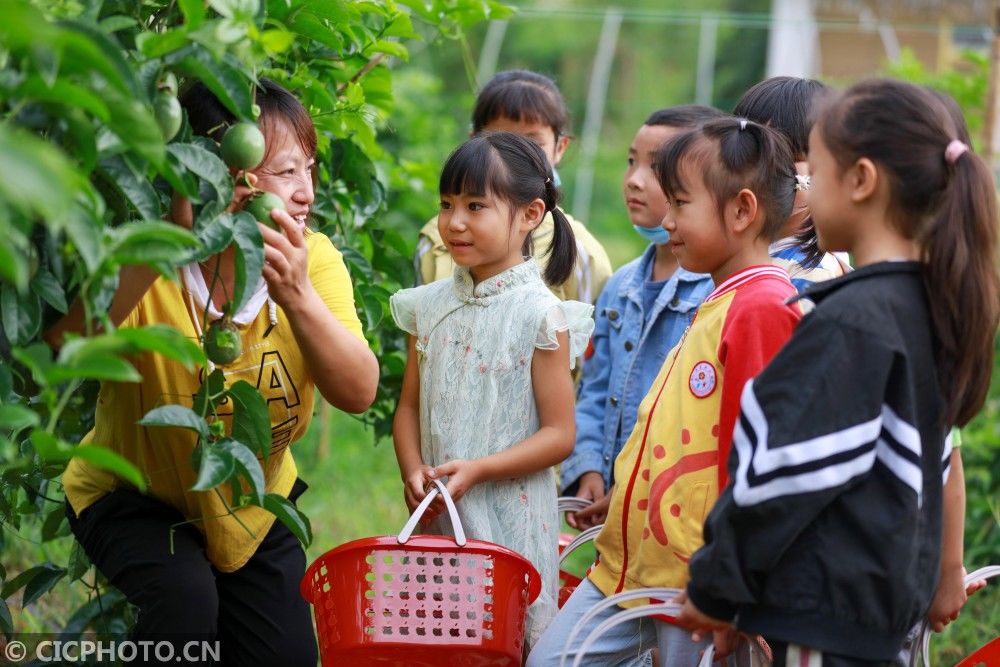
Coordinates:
<point>591,488</point>
<point>724,642</point>
<point>462,475</point>
<point>593,515</point>
<point>414,489</point>
<point>950,597</point>
<point>693,619</point>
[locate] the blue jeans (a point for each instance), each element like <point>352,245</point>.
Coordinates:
<point>628,643</point>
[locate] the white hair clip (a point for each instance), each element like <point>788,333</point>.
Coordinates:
<point>802,183</point>
<point>743,124</point>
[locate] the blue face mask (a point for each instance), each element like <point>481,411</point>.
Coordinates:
<point>657,235</point>
<point>556,181</point>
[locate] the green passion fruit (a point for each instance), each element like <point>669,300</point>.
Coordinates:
<point>260,206</point>
<point>243,146</point>
<point>222,342</point>
<point>168,114</point>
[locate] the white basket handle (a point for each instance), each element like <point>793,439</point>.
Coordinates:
<point>586,536</point>
<point>924,645</point>
<point>456,523</point>
<point>619,618</point>
<point>613,600</point>
<point>572,503</point>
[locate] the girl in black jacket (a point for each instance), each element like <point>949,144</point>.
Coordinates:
<point>828,540</point>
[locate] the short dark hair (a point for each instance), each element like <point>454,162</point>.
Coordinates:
<point>786,104</point>
<point>521,94</point>
<point>732,154</point>
<point>210,118</point>
<point>684,115</point>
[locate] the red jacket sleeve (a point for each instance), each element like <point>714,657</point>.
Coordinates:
<point>757,325</point>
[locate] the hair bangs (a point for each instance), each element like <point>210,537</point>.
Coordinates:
<point>674,159</point>
<point>473,169</point>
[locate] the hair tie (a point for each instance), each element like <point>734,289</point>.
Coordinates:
<point>954,150</point>
<point>743,124</point>
<point>548,179</point>
<point>802,182</point>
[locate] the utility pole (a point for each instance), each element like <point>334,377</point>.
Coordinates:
<point>990,126</point>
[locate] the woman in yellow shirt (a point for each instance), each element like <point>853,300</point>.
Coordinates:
<point>234,580</point>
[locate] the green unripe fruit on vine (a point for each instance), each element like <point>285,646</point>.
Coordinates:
<point>222,342</point>
<point>260,208</point>
<point>243,146</point>
<point>167,83</point>
<point>168,114</point>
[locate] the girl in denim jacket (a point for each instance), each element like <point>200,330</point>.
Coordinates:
<point>640,316</point>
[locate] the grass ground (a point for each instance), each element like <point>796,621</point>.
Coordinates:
<point>355,492</point>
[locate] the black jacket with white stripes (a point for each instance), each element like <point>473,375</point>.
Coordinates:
<point>829,533</point>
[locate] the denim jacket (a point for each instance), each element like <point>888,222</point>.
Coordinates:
<point>629,347</point>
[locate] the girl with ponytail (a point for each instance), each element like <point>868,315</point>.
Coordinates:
<point>829,539</point>
<point>487,399</point>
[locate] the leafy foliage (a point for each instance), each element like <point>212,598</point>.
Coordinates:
<point>88,178</point>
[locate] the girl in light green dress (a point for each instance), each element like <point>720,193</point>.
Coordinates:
<point>487,397</point>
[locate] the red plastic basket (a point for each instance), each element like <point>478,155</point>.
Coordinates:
<point>428,600</point>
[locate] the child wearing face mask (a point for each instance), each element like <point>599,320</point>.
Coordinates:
<point>640,316</point>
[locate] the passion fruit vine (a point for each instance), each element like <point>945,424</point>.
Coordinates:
<point>222,342</point>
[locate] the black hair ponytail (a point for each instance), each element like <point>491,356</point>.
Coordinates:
<point>562,251</point>
<point>942,196</point>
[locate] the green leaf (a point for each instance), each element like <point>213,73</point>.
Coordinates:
<point>82,618</point>
<point>251,419</point>
<point>6,623</point>
<point>54,525</point>
<point>213,386</point>
<point>217,464</point>
<point>117,22</point>
<point>235,8</point>
<point>37,177</point>
<point>289,514</point>
<point>193,11</point>
<point>215,230</point>
<point>21,315</point>
<point>389,48</point>
<point>15,418</point>
<point>48,288</point>
<point>371,306</point>
<point>205,165</point>
<point>163,339</point>
<point>247,466</point>
<point>94,366</point>
<point>277,40</point>
<point>64,92</point>
<point>133,122</point>
<point>79,562</point>
<point>86,49</point>
<point>135,187</point>
<point>45,578</point>
<point>249,257</point>
<point>102,457</point>
<point>159,44</point>
<point>229,85</point>
<point>175,415</point>
<point>310,26</point>
<point>151,241</point>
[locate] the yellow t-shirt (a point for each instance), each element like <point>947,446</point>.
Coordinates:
<point>592,270</point>
<point>274,364</point>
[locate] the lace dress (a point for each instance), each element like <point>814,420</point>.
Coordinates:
<point>474,347</point>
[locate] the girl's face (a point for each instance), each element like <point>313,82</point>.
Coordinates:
<point>287,172</point>
<point>540,133</point>
<point>481,234</point>
<point>697,236</point>
<point>827,196</point>
<point>644,198</point>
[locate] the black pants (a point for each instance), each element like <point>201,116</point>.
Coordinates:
<point>256,613</point>
<point>784,658</point>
